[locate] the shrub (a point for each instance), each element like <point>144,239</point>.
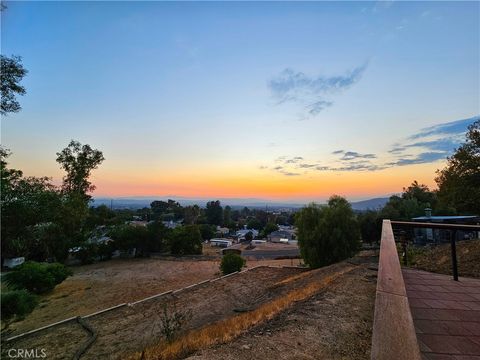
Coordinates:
<point>127,237</point>
<point>186,240</point>
<point>370,226</point>
<point>172,321</point>
<point>36,277</point>
<point>231,262</point>
<point>17,303</point>
<point>327,234</point>
<point>59,272</point>
<point>87,253</point>
<point>105,250</point>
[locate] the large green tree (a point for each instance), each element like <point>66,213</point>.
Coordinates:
<point>411,203</point>
<point>78,161</point>
<point>327,234</point>
<point>459,182</point>
<point>26,202</point>
<point>214,213</point>
<point>186,240</point>
<point>370,226</point>
<point>166,210</point>
<point>11,73</point>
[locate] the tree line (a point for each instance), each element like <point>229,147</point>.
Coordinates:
<point>333,232</point>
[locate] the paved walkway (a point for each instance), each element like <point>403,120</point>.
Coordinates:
<point>446,315</point>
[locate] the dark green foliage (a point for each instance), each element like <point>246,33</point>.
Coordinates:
<point>254,224</point>
<point>166,210</point>
<point>191,214</point>
<point>100,215</point>
<point>370,226</point>
<point>105,250</point>
<point>214,213</point>
<point>130,236</point>
<point>39,220</point>
<point>36,277</point>
<point>186,240</point>
<point>411,203</point>
<point>249,236</point>
<point>51,239</point>
<point>268,229</point>
<point>459,182</point>
<point>157,236</point>
<point>11,73</point>
<point>17,303</point>
<point>28,204</point>
<point>87,253</point>
<point>227,216</point>
<point>231,262</point>
<point>78,161</point>
<point>207,231</point>
<point>59,272</point>
<point>146,239</point>
<point>327,234</point>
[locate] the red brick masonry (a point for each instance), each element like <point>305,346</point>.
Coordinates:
<point>446,315</point>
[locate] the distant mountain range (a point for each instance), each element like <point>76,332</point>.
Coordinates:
<point>370,204</point>
<point>140,202</point>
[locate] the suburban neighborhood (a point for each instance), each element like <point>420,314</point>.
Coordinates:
<point>280,180</point>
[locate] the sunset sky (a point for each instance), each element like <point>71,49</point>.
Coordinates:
<point>275,100</point>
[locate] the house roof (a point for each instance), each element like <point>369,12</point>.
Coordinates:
<point>281,232</point>
<point>442,218</point>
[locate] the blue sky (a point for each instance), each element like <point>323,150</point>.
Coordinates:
<point>216,98</point>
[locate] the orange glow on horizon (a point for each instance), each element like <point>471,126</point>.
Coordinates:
<point>248,183</point>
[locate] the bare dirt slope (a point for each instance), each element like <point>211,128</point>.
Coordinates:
<point>438,259</point>
<point>105,284</point>
<point>131,329</point>
<point>333,324</point>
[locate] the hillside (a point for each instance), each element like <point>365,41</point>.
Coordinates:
<point>438,259</point>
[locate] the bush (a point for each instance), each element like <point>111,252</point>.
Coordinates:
<point>59,272</point>
<point>370,226</point>
<point>172,321</point>
<point>105,250</point>
<point>186,240</point>
<point>17,303</point>
<point>87,253</point>
<point>231,262</point>
<point>36,277</point>
<point>327,234</point>
<point>127,237</point>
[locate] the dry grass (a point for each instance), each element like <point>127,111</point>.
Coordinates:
<point>292,278</point>
<point>230,328</point>
<point>438,259</point>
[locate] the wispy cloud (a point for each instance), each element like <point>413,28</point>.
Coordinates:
<point>440,139</point>
<point>428,145</point>
<point>306,166</point>
<point>457,127</point>
<point>423,158</point>
<point>352,155</point>
<point>311,91</point>
<point>318,106</point>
